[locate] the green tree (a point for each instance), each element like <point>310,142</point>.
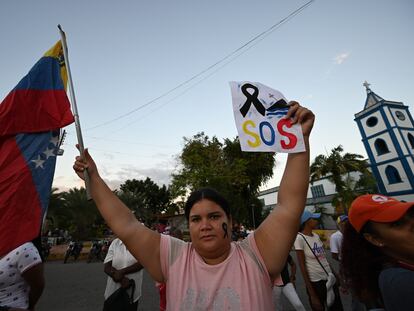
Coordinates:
<point>206,162</point>
<point>57,215</point>
<point>145,197</point>
<point>335,165</point>
<point>343,199</point>
<point>337,168</point>
<point>84,220</point>
<point>353,188</point>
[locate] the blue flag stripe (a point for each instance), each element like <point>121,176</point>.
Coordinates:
<point>45,75</point>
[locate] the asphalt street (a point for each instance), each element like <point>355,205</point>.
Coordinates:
<point>80,286</point>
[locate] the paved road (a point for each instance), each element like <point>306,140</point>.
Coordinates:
<point>80,286</point>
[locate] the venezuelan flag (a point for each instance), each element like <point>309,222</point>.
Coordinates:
<point>39,101</point>
<point>31,116</point>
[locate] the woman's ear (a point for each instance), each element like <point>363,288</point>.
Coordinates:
<point>374,240</point>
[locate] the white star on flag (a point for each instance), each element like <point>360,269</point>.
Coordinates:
<point>54,140</point>
<point>49,153</point>
<point>38,162</point>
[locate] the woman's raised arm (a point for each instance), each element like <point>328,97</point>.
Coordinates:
<point>143,243</point>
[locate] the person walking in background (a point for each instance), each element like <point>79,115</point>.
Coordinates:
<point>286,284</point>
<point>335,241</point>
<point>21,278</point>
<point>319,279</point>
<point>211,271</point>
<point>121,267</point>
<point>378,252</point>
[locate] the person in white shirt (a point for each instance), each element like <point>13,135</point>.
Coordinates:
<point>121,267</point>
<point>21,278</point>
<point>316,271</point>
<point>335,241</point>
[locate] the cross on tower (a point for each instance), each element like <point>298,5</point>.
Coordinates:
<point>366,84</point>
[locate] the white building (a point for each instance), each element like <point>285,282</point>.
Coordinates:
<point>320,194</point>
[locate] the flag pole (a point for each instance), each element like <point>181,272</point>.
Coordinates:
<point>74,109</point>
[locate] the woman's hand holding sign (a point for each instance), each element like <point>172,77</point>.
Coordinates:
<point>302,116</point>
<point>261,121</point>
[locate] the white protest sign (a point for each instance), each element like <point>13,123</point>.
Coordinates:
<point>259,114</point>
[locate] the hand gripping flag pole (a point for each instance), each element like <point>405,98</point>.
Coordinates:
<point>74,108</point>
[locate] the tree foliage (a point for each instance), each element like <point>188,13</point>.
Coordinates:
<point>337,168</point>
<point>145,197</point>
<point>335,165</point>
<point>56,213</point>
<point>72,211</point>
<point>206,162</point>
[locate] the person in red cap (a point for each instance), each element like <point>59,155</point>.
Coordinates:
<point>378,252</point>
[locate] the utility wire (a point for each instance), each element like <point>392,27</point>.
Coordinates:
<point>250,42</point>
<point>126,142</point>
<point>185,90</point>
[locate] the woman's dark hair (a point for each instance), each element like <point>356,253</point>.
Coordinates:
<point>208,194</point>
<point>361,264</point>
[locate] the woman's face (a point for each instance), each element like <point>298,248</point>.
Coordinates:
<point>396,239</point>
<point>210,229</point>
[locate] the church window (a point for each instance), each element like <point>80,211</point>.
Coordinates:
<point>372,121</point>
<point>400,115</point>
<point>381,147</point>
<point>392,175</point>
<point>411,140</point>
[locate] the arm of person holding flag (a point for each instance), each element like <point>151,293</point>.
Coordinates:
<point>35,278</point>
<point>283,221</point>
<point>142,242</point>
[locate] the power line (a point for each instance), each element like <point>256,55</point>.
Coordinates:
<point>126,142</point>
<point>130,154</point>
<point>251,42</point>
<point>183,92</point>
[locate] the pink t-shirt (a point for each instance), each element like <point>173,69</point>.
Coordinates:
<point>241,282</point>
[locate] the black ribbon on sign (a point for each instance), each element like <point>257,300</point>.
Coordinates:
<point>251,99</point>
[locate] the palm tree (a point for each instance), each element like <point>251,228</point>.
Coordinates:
<point>84,219</point>
<point>334,167</point>
<point>55,211</point>
<point>342,200</point>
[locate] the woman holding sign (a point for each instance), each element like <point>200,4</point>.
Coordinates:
<point>212,272</point>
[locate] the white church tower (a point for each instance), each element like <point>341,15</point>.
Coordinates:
<point>387,131</point>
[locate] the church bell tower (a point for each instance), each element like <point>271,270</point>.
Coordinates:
<point>387,131</point>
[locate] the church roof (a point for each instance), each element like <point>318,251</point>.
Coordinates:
<point>373,98</point>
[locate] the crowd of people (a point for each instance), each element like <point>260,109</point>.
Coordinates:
<point>222,268</point>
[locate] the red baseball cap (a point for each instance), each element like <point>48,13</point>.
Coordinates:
<point>376,207</point>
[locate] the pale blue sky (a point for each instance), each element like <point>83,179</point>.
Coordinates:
<point>124,54</point>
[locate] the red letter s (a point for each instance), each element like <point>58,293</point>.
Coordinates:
<point>292,138</point>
